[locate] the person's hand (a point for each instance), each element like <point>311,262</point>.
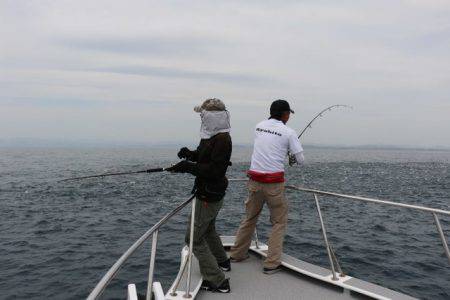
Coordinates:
<point>183,166</point>
<point>183,153</point>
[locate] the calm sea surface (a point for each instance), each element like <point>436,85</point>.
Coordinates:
<point>58,239</point>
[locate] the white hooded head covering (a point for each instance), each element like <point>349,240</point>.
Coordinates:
<point>215,118</point>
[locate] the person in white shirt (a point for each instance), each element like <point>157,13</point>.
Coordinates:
<point>273,142</point>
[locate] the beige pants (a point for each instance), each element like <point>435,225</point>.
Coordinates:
<point>258,194</point>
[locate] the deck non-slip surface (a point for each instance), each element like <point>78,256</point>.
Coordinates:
<point>249,282</point>
<point>297,280</point>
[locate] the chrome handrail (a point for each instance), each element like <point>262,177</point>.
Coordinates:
<point>191,246</point>
<point>324,233</point>
<point>315,192</point>
<point>367,199</point>
<point>433,211</point>
<point>101,285</point>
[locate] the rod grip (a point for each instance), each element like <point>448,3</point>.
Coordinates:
<point>155,170</point>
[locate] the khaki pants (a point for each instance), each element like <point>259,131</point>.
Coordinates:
<point>258,194</point>
<point>208,246</point>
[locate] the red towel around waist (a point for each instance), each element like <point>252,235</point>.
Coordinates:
<point>266,177</point>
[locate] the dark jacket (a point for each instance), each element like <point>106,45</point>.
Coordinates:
<point>213,158</point>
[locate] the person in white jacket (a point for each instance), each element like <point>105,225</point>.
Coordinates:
<point>273,141</point>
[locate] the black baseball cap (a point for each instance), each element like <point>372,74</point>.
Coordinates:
<point>280,106</point>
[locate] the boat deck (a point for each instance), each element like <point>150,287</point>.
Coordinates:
<point>249,282</point>
<point>297,280</point>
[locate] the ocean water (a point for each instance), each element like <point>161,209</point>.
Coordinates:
<point>58,239</point>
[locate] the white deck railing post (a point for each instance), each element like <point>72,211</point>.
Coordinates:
<point>324,232</point>
<point>441,234</point>
<point>151,269</point>
<point>191,246</point>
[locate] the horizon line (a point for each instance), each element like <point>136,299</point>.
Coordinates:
<point>61,143</point>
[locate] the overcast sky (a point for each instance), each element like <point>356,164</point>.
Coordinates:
<point>132,71</point>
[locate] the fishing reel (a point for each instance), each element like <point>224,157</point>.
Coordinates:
<point>292,159</point>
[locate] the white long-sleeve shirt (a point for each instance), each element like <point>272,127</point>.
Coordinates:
<point>273,140</point>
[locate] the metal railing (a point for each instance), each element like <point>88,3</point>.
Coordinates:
<point>334,264</point>
<point>331,256</point>
<point>106,279</point>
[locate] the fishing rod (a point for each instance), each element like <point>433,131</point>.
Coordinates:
<point>291,159</point>
<point>320,114</point>
<point>114,174</point>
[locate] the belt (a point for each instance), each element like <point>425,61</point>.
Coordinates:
<point>266,177</point>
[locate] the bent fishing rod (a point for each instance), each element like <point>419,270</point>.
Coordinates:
<point>114,174</point>
<point>320,114</point>
<point>291,158</point>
